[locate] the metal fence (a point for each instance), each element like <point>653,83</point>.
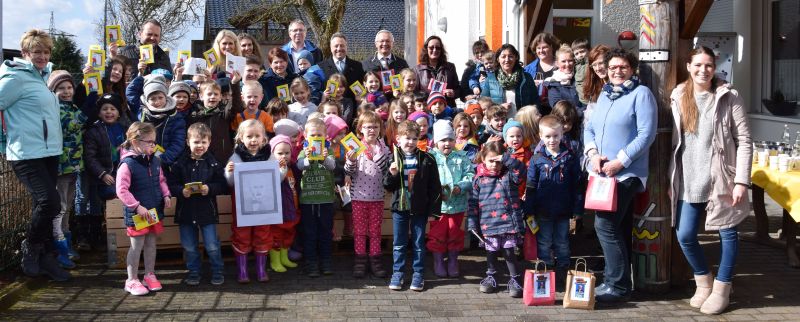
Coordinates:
<point>15,212</point>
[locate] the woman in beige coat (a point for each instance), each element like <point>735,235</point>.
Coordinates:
<point>710,172</point>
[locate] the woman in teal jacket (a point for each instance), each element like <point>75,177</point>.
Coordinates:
<point>34,143</point>
<point>510,86</point>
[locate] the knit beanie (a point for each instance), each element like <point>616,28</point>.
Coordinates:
<point>154,83</point>
<point>163,72</point>
<point>333,125</point>
<point>509,125</point>
<point>443,129</point>
<point>179,86</point>
<point>286,127</point>
<point>278,139</point>
<point>434,97</point>
<point>418,114</point>
<point>376,98</point>
<point>109,98</point>
<point>224,84</point>
<point>474,108</point>
<point>56,77</point>
<point>305,54</point>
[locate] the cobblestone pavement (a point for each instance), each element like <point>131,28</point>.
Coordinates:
<point>765,289</point>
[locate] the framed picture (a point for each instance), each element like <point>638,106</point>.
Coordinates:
<point>194,187</point>
<point>283,93</point>
<point>97,59</point>
<point>92,82</point>
<point>114,35</point>
<point>194,66</point>
<point>146,54</point>
<point>436,86</point>
<point>211,56</point>
<point>258,197</point>
<point>386,78</point>
<point>317,144</point>
<point>351,142</point>
<point>141,222</point>
<point>95,47</point>
<point>332,86</point>
<point>397,82</point>
<point>184,55</point>
<point>358,89</point>
<point>235,63</point>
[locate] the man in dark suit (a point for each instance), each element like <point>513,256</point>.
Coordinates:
<point>383,58</point>
<point>341,64</point>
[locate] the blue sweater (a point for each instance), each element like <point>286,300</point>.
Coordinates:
<point>624,129</point>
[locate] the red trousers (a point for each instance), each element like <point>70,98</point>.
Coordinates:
<point>367,218</point>
<point>446,234</point>
<point>247,239</point>
<point>283,234</point>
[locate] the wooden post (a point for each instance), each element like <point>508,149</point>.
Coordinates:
<point>652,243</point>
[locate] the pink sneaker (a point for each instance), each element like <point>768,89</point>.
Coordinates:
<point>135,287</point>
<point>152,282</point>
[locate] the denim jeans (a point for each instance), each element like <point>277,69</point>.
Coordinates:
<point>39,177</point>
<point>688,220</point>
<point>317,222</point>
<point>553,237</point>
<point>189,241</point>
<point>402,222</point>
<point>610,228</point>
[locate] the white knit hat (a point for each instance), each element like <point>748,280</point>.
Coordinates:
<point>443,129</point>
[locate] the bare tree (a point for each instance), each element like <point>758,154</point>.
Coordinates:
<point>175,17</point>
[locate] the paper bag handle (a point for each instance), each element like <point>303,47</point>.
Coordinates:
<point>536,265</point>
<point>580,261</point>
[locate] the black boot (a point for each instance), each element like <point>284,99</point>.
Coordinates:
<point>48,265</point>
<point>30,258</point>
<point>84,233</point>
<point>561,279</point>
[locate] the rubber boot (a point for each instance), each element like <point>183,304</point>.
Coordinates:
<point>30,258</point>
<point>438,265</point>
<point>261,267</point>
<point>452,263</point>
<point>376,267</point>
<point>275,261</point>
<point>718,300</point>
<point>63,254</point>
<point>73,254</point>
<point>285,259</point>
<point>84,233</point>
<point>48,265</point>
<point>704,285</point>
<point>241,262</point>
<point>360,266</point>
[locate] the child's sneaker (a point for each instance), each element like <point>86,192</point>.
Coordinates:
<point>396,283</point>
<point>312,269</point>
<point>514,289</point>
<point>417,282</point>
<point>488,284</point>
<point>152,282</point>
<point>192,279</point>
<point>217,278</point>
<point>135,287</point>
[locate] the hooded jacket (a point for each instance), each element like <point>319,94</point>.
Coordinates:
<point>455,169</point>
<point>525,93</point>
<point>98,150</point>
<point>197,209</point>
<point>494,203</point>
<point>219,121</point>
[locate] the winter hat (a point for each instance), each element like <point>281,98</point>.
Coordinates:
<point>154,83</point>
<point>305,54</point>
<point>473,108</point>
<point>509,125</point>
<point>224,84</point>
<point>109,98</point>
<point>418,114</point>
<point>192,84</point>
<point>333,125</point>
<point>179,86</point>
<point>434,97</point>
<point>443,129</point>
<point>286,127</point>
<point>277,140</point>
<point>56,77</point>
<point>376,98</point>
<point>163,72</point>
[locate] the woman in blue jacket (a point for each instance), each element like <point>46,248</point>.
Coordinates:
<point>33,146</point>
<point>510,86</point>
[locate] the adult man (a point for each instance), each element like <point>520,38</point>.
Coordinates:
<point>298,42</point>
<point>341,64</point>
<point>150,33</point>
<point>383,58</point>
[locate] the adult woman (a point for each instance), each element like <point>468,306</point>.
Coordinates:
<point>708,113</point>
<point>33,148</point>
<point>510,86</point>
<point>249,46</point>
<point>561,86</point>
<point>433,65</point>
<point>617,140</point>
<point>595,78</point>
<point>277,74</point>
<point>543,46</point>
<point>225,43</point>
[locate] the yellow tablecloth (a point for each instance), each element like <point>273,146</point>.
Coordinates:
<point>783,187</point>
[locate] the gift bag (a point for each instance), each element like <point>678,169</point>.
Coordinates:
<point>540,286</point>
<point>580,288</point>
<point>601,194</point>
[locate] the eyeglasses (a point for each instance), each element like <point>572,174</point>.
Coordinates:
<point>598,65</point>
<point>435,48</point>
<point>373,128</point>
<point>621,68</point>
<point>296,30</point>
<point>148,142</point>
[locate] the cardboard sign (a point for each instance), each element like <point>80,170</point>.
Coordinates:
<point>258,193</point>
<point>235,63</point>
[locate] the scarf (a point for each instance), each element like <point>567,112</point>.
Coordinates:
<point>509,82</point>
<point>616,91</point>
<point>155,116</point>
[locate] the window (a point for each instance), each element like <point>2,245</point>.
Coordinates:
<point>785,51</point>
<point>572,19</point>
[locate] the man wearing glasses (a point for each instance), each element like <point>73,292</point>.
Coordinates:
<point>383,58</point>
<point>297,43</point>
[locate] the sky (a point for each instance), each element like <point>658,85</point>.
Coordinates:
<point>71,16</point>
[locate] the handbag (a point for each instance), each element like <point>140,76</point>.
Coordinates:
<point>580,288</point>
<point>601,194</point>
<point>540,286</point>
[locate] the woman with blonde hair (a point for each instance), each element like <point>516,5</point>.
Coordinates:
<point>225,43</point>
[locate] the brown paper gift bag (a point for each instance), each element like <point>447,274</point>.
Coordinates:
<point>580,288</point>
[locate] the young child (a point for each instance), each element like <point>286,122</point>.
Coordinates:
<point>180,92</point>
<point>437,106</point>
<point>529,117</point>
<point>497,117</point>
<point>465,139</point>
<point>381,104</point>
<point>252,69</point>
<point>142,187</point>
<point>251,97</point>
<point>330,108</point>
<point>570,118</point>
<point>475,113</point>
<point>347,106</point>
<point>406,100</point>
<point>197,206</point>
<point>316,202</point>
<point>159,110</point>
<point>397,114</point>
<point>218,115</point>
<point>366,170</point>
<point>455,175</point>
<point>413,180</point>
<point>485,103</point>
<point>419,102</point>
<point>302,106</point>
<point>482,71</point>
<point>70,163</point>
<point>251,146</point>
<point>372,82</point>
<point>410,82</point>
<point>336,129</point>
<point>494,208</point>
<point>514,136</point>
<point>283,234</point>
<point>292,130</point>
<point>422,120</point>
<point>278,110</point>
<point>553,195</point>
<point>580,47</point>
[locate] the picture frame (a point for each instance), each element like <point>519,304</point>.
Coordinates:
<point>283,92</point>
<point>358,89</point>
<point>258,197</point>
<point>141,222</point>
<point>194,66</point>
<point>97,59</point>
<point>332,86</point>
<point>211,56</point>
<point>235,63</point>
<point>351,141</point>
<point>396,82</point>
<point>436,86</point>
<point>114,35</point>
<point>146,54</point>
<point>194,187</point>
<point>386,78</point>
<point>184,55</point>
<point>95,47</point>
<point>317,144</point>
<point>93,83</point>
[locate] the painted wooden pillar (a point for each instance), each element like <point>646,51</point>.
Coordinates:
<point>494,23</point>
<point>420,24</point>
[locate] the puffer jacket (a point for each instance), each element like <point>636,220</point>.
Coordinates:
<point>197,209</point>
<point>731,158</point>
<point>219,119</point>
<point>494,203</point>
<point>552,185</point>
<point>270,81</point>
<point>455,169</point>
<point>99,151</point>
<point>525,92</point>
